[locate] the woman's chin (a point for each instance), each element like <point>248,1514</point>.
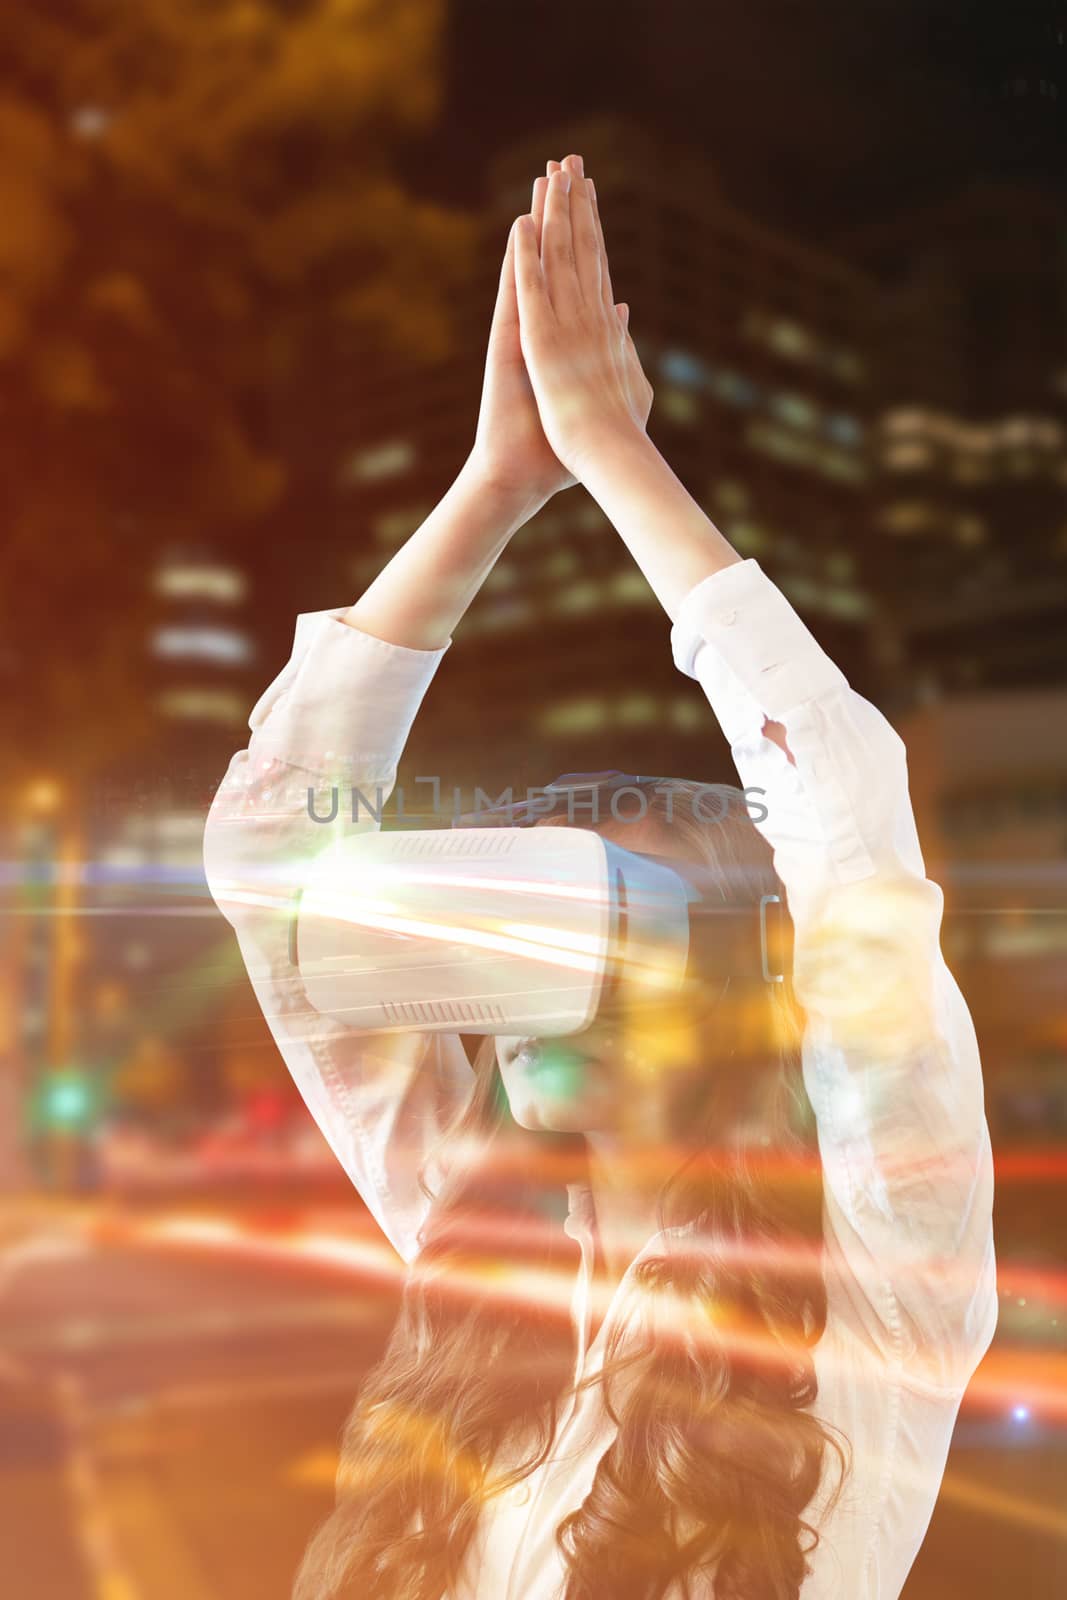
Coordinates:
<point>541,1113</point>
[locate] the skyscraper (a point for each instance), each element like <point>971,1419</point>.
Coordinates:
<point>760,356</point>
<point>970,454</point>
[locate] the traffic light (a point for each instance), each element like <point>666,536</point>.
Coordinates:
<point>67,1100</point>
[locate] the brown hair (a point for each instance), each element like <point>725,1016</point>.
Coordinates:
<point>716,1454</point>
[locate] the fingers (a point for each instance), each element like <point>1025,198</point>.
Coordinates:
<point>506,311</point>
<point>605,275</point>
<point>531,289</point>
<point>557,246</point>
<point>537,205</point>
<point>585,242</point>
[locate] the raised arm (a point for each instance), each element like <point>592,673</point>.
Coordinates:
<point>890,1058</point>
<point>338,716</point>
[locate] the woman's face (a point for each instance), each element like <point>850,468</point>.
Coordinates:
<point>622,1074</point>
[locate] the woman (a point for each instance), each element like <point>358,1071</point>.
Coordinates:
<point>748,1385</point>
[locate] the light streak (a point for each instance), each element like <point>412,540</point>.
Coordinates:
<point>975,1496</point>
<point>351,911</point>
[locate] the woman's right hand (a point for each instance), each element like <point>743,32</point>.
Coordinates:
<point>585,371</point>
<point>511,452</point>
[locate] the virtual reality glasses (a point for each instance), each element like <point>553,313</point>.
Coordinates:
<point>499,927</point>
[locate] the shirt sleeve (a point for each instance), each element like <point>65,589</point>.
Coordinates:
<point>333,724</point>
<point>890,1059</point>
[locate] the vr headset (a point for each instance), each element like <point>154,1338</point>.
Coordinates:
<point>498,927</point>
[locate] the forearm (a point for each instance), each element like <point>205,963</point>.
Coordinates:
<point>424,590</point>
<point>670,538</point>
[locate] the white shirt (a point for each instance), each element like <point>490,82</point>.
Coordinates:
<point>890,1060</point>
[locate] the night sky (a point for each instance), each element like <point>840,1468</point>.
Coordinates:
<point>820,116</point>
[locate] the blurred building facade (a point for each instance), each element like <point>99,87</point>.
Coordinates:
<point>969,510</point>
<point>760,352</point>
<point>988,777</point>
<point>158,970</point>
<point>883,425</point>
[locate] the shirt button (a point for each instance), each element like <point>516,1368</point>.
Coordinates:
<point>519,1494</point>
<point>727,618</point>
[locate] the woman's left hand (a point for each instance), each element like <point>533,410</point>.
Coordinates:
<point>585,371</point>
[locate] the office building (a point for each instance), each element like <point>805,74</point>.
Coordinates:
<point>970,448</point>
<point>759,353</point>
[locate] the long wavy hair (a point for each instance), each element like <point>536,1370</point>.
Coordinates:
<point>716,1453</point>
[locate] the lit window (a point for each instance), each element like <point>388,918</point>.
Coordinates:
<point>906,457</point>
<point>846,364</point>
<point>976,439</point>
<point>790,339</point>
<point>794,409</point>
<point>379,461</point>
<point>967,470</point>
<point>686,370</point>
<point>906,421</point>
<point>782,443</point>
<point>501,577</point>
<point>188,825</point>
<point>573,716</point>
<point>204,644</point>
<point>579,597</point>
<point>907,516</point>
<point>1015,430</point>
<point>200,581</point>
<point>560,564</point>
<point>507,613</point>
<point>734,389</point>
<point>204,705</point>
<point>545,523</point>
<point>363,568</point>
<point>849,604</point>
<point>844,429</point>
<point>748,537</point>
<point>970,530</point>
<point>677,405</point>
<point>846,468</point>
<point>124,857</point>
<point>89,122</point>
<point>633,710</point>
<point>805,591</point>
<point>393,527</point>
<point>688,713</point>
<point>731,495</point>
<point>631,587</point>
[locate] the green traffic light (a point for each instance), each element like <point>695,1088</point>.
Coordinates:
<point>69,1101</point>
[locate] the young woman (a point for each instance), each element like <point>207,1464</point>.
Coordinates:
<point>656,1338</point>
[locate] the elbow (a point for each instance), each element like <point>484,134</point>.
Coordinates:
<point>978,1328</point>
<point>225,842</point>
<point>955,1311</point>
<point>218,870</point>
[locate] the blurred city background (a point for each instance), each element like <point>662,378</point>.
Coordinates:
<point>249,253</point>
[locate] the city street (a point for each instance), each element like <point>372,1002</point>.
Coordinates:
<point>173,1382</point>
<point>169,1418</point>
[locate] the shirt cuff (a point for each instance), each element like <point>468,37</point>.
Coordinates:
<point>738,635</point>
<point>343,697</point>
